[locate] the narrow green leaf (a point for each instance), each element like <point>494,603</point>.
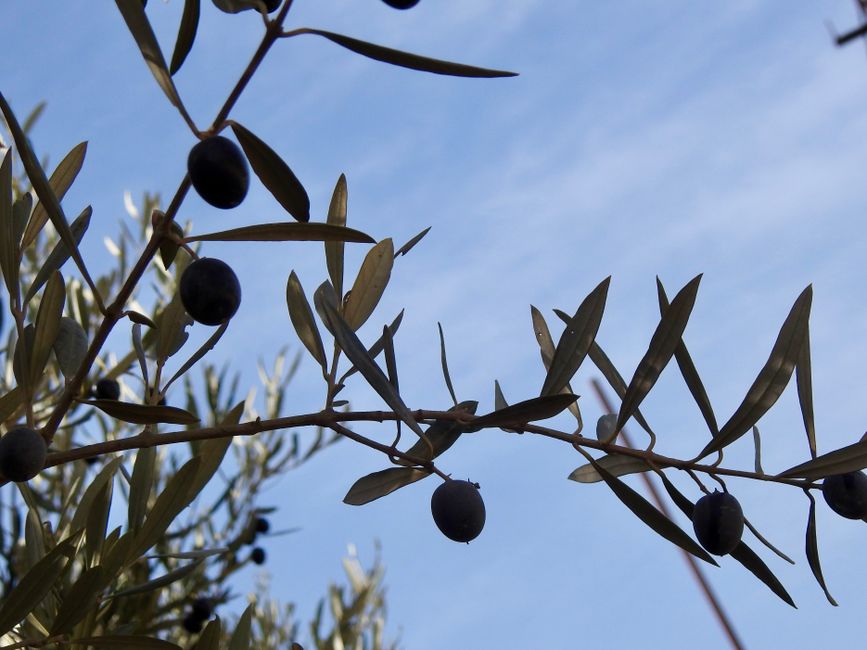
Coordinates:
<point>80,599</point>
<point>97,522</point>
<point>546,350</point>
<point>10,402</point>
<point>369,285</point>
<point>407,60</point>
<point>21,358</point>
<point>169,247</point>
<point>408,246</point>
<point>378,484</point>
<point>175,497</point>
<point>390,360</point>
<point>287,231</point>
<point>159,583</point>
<point>850,458</point>
<point>242,636</point>
<point>209,639</point>
<point>651,516</point>
<point>303,321</point>
<point>139,319</point>
<point>172,323</point>
<point>812,549</point>
<point>70,346</point>
<point>35,114</point>
<point>79,519</point>
<point>60,253</point>
<point>21,210</point>
<point>136,20</point>
<point>47,325</point>
<point>445,364</point>
<point>442,434</point>
<point>576,339</point>
<point>8,246</point>
<point>193,555</point>
<point>689,372</point>
<point>358,355</point>
<point>615,464</point>
<point>757,443</point>
<point>334,249</point>
<point>42,187</point>
<point>60,182</point>
<point>500,402</point>
<point>200,352</point>
<point>772,378</point>
<point>665,340</point>
<point>374,350</point>
<point>143,413</point>
<point>531,410</point>
<point>126,642</point>
<point>186,35</point>
<point>274,174</point>
<point>140,487</point>
<point>36,584</point>
<point>804,380</point>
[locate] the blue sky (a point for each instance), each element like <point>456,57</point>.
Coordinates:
<point>672,139</point>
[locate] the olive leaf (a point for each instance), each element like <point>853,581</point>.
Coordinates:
<point>47,325</point>
<point>186,35</point>
<point>126,642</point>
<point>652,517</point>
<point>70,346</point>
<point>521,413</point>
<point>358,355</point>
<point>274,174</point>
<point>804,382</point>
<point>850,458</point>
<point>60,253</point>
<point>773,377</point>
<point>546,350</point>
<point>60,181</point>
<point>140,486</point>
<point>370,284</point>
<point>665,340</point>
<point>209,639</point>
<point>408,246</point>
<point>812,549</point>
<point>405,59</point>
<point>137,22</point>
<point>143,413</point>
<point>80,599</point>
<point>8,244</point>
<point>302,319</point>
<point>10,402</point>
<point>169,247</point>
<point>374,350</point>
<point>441,435</point>
<point>242,636</point>
<point>445,364</point>
<point>172,323</point>
<point>576,339</point>
<point>615,464</point>
<point>688,370</point>
<point>158,583</point>
<point>378,484</point>
<point>334,249</point>
<point>287,231</point>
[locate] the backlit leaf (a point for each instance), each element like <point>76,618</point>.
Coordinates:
<point>615,464</point>
<point>136,20</point>
<point>445,364</point>
<point>812,549</point>
<point>140,486</point>
<point>47,325</point>
<point>172,323</point>
<point>334,250</point>
<point>576,339</point>
<point>274,174</point>
<point>287,231</point>
<point>408,246</point>
<point>61,180</point>
<point>442,434</point>
<point>186,34</point>
<point>159,583</point>
<point>303,321</point>
<point>370,284</point>
<point>546,350</point>
<point>80,599</point>
<point>850,458</point>
<point>8,247</point>
<point>772,378</point>
<point>242,636</point>
<point>143,413</point>
<point>804,380</point>
<point>70,346</point>
<point>531,410</point>
<point>10,402</point>
<point>209,639</point>
<point>407,60</point>
<point>60,253</point>
<point>689,372</point>
<point>374,350</point>
<point>378,484</point>
<point>126,642</point>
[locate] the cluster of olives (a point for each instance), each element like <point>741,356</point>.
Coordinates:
<point>258,526</point>
<point>201,610</point>
<point>458,510</point>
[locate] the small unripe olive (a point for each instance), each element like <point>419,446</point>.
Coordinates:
<point>218,171</point>
<point>257,555</point>
<point>192,624</point>
<point>22,454</point>
<point>210,291</point>
<point>262,525</point>
<point>107,389</point>
<point>718,522</point>
<point>846,494</point>
<point>605,427</point>
<point>401,4</point>
<point>458,510</point>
